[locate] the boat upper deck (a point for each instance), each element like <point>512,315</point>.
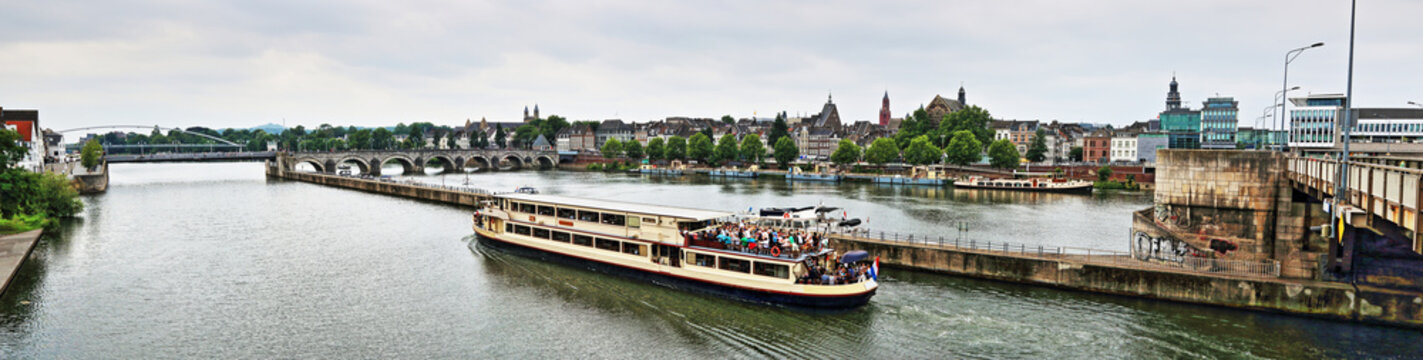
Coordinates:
<point>636,208</point>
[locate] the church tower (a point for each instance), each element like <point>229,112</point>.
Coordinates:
<point>1173,97</point>
<point>884,110</point>
<point>963,99</point>
<point>536,111</point>
<point>526,113</point>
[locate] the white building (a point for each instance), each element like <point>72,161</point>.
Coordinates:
<point>1123,148</point>
<point>1312,121</point>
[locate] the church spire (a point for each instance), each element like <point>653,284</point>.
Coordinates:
<point>963,99</point>
<point>1173,96</point>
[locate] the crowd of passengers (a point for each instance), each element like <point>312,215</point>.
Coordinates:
<point>840,275</point>
<point>759,239</point>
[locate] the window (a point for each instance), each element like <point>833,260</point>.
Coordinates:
<point>634,222</point>
<point>528,208</point>
<point>736,265</point>
<point>508,228</point>
<point>611,219</point>
<point>541,233</point>
<point>772,270</point>
<point>588,216</point>
<point>606,244</point>
<point>704,260</point>
<point>567,213</point>
<point>584,240</point>
<point>521,230</point>
<point>560,236</point>
<point>649,221</point>
<point>545,210</point>
<point>634,249</point>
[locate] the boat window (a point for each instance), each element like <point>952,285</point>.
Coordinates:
<point>528,208</point>
<point>567,213</point>
<point>736,265</point>
<point>521,230</point>
<point>773,270</point>
<point>649,221</point>
<point>704,260</point>
<point>588,216</point>
<point>606,244</point>
<point>560,236</point>
<point>541,233</point>
<point>611,219</point>
<point>508,228</point>
<point>634,222</point>
<point>635,249</point>
<point>545,210</point>
<point>584,240</point>
<point>693,225</point>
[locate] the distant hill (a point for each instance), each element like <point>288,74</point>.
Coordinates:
<point>269,128</point>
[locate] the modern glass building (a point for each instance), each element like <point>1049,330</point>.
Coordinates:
<point>1313,120</point>
<point>1219,119</point>
<point>1182,125</point>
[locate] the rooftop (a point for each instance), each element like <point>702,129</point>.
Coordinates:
<point>677,212</point>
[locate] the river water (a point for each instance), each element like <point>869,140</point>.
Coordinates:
<point>216,261</point>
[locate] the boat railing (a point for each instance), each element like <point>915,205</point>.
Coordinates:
<point>1133,258</point>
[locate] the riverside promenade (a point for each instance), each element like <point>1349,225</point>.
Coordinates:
<point>14,249</point>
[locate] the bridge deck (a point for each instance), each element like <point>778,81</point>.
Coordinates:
<point>1388,188</point>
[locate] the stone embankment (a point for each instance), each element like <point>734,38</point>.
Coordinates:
<point>14,249</point>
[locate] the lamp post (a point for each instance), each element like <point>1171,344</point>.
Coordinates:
<point>1420,106</point>
<point>1289,56</point>
<point>1341,182</point>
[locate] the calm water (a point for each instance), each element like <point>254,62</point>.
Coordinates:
<point>215,261</point>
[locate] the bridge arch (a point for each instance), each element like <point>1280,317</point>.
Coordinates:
<point>446,163</point>
<point>515,161</point>
<point>362,164</point>
<point>478,162</point>
<point>545,162</point>
<point>408,164</point>
<point>317,164</point>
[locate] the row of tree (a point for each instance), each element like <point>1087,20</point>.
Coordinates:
<point>700,148</point>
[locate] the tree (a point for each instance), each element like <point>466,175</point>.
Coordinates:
<point>633,149</point>
<point>382,139</point>
<point>450,142</point>
<point>655,148</point>
<point>89,156</point>
<point>676,148</point>
<point>921,151</point>
<point>1037,151</point>
<point>612,148</point>
<point>752,149</point>
<point>699,147</point>
<point>483,139</point>
<point>360,139</point>
<point>11,152</point>
<point>499,136</point>
<point>973,118</point>
<point>963,148</point>
<point>881,151</point>
<point>474,139</point>
<point>335,144</point>
<point>914,124</point>
<point>415,137</point>
<point>779,129</point>
<point>728,119</point>
<point>1104,173</point>
<point>726,149</point>
<point>1075,154</point>
<point>847,153</point>
<point>1003,154</point>
<point>785,151</point>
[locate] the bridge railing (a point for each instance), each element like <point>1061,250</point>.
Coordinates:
<point>1388,188</point>
<point>1133,258</point>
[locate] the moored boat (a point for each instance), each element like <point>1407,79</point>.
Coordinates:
<point>1035,184</point>
<point>704,251</point>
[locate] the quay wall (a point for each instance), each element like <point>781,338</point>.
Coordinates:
<point>428,193</point>
<point>1331,300</point>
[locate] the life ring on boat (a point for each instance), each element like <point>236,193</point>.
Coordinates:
<point>776,251</point>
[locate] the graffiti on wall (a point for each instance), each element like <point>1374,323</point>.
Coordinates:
<point>1148,247</point>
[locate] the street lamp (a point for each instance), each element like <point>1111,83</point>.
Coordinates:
<point>1289,56</point>
<point>1415,104</point>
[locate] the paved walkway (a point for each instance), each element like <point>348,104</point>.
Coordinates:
<point>14,249</point>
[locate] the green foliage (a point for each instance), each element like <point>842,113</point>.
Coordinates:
<point>1003,154</point>
<point>612,148</point>
<point>1104,173</point>
<point>22,223</point>
<point>656,147</point>
<point>881,151</point>
<point>779,129</point>
<point>964,148</point>
<point>90,154</point>
<point>728,119</point>
<point>676,148</point>
<point>500,138</point>
<point>846,153</point>
<point>921,151</point>
<point>1075,154</point>
<point>786,151</point>
<point>973,119</point>
<point>1109,185</point>
<point>47,194</point>
<point>382,139</point>
<point>633,149</point>
<point>595,167</point>
<point>699,147</point>
<point>450,142</point>
<point>359,139</point>
<point>1037,150</point>
<point>914,124</point>
<point>11,152</point>
<point>752,149</point>
<point>726,149</point>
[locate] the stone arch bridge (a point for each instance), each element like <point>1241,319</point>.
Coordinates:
<point>414,161</point>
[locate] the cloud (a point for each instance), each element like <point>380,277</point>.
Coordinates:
<point>243,63</point>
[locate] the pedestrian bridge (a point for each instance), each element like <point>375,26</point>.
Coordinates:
<point>369,162</point>
<point>1388,188</point>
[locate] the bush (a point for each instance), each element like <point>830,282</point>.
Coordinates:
<point>89,156</point>
<point>595,167</point>
<point>1114,185</point>
<point>46,194</point>
<point>22,223</point>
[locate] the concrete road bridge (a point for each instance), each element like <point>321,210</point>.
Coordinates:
<point>414,161</point>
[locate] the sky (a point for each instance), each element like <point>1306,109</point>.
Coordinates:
<point>375,63</point>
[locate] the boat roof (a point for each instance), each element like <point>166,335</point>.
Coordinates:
<point>672,211</point>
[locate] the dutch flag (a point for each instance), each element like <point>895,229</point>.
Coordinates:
<point>874,270</point>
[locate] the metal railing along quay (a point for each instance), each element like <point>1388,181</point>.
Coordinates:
<point>1134,258</point>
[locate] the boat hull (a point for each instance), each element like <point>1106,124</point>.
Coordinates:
<point>1084,189</point>
<point>808,177</point>
<point>682,283</point>
<point>735,174</point>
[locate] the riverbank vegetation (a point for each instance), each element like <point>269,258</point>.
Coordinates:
<point>30,200</point>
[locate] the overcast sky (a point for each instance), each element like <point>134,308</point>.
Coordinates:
<point>368,63</point>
